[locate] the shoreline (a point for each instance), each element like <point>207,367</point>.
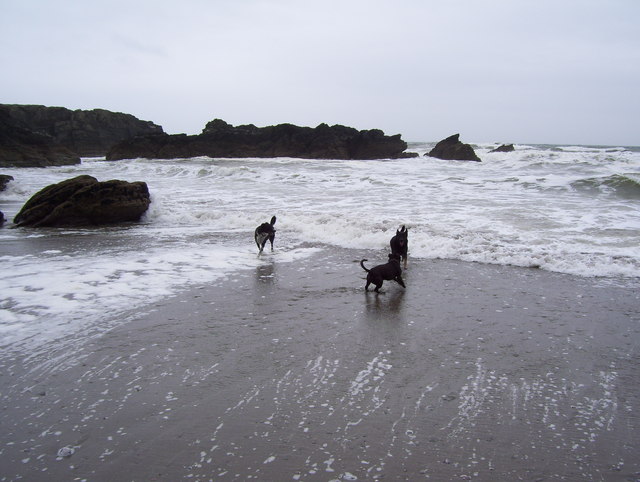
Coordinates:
<point>292,372</point>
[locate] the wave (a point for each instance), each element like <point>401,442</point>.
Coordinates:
<point>591,149</point>
<point>455,210</point>
<point>596,255</point>
<point>626,186</point>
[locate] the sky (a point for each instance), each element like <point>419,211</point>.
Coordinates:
<point>507,71</point>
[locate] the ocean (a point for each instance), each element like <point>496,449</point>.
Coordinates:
<point>566,209</point>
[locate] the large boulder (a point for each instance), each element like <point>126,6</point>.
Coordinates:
<point>219,139</point>
<point>83,201</point>
<point>453,149</point>
<point>84,132</point>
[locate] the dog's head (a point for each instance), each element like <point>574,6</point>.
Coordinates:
<point>394,257</point>
<point>402,235</point>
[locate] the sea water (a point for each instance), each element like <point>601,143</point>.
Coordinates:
<point>568,209</point>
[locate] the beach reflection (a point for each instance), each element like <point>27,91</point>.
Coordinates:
<point>389,304</point>
<point>265,276</point>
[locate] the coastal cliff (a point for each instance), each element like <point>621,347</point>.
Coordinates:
<point>36,135</point>
<point>21,147</point>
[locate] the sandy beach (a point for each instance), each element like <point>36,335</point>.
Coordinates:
<point>293,372</point>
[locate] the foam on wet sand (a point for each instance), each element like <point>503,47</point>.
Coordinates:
<point>290,371</point>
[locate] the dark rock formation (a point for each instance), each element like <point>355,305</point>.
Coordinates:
<point>4,180</point>
<point>83,201</point>
<point>83,132</point>
<point>219,139</point>
<point>453,149</point>
<point>504,148</point>
<point>21,147</point>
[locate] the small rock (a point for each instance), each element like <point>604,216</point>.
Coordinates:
<point>504,148</point>
<point>66,451</point>
<point>4,180</point>
<point>452,149</point>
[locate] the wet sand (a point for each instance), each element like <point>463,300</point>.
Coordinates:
<point>293,372</point>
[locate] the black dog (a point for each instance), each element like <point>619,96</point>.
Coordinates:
<point>389,271</point>
<point>400,244</point>
<point>265,232</point>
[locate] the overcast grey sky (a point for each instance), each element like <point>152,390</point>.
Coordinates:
<point>539,71</point>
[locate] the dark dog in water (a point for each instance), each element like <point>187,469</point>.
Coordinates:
<point>400,244</point>
<point>265,232</point>
<point>389,271</point>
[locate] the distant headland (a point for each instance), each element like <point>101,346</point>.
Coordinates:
<point>219,139</point>
<point>36,135</point>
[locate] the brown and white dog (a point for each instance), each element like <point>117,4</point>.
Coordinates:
<point>265,232</point>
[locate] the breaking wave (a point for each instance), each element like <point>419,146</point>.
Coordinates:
<point>623,185</point>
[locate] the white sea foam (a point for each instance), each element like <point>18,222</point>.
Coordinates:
<point>567,209</point>
<point>55,293</point>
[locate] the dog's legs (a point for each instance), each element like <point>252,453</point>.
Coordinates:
<point>261,241</point>
<point>261,245</point>
<point>369,282</point>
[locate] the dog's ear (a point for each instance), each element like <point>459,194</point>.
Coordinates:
<point>273,220</point>
<point>403,229</point>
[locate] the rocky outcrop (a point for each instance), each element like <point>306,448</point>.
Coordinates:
<point>21,147</point>
<point>219,139</point>
<point>83,201</point>
<point>453,149</point>
<point>82,132</point>
<point>504,148</point>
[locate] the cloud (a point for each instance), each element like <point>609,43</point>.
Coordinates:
<point>520,71</point>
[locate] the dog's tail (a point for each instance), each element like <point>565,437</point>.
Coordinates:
<point>362,264</point>
<point>273,220</point>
